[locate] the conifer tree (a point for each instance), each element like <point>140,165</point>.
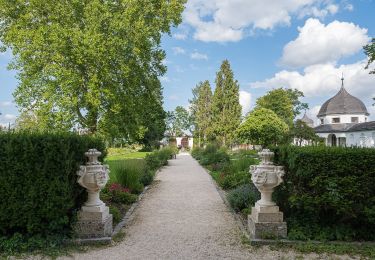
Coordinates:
<point>226,108</point>
<point>201,109</point>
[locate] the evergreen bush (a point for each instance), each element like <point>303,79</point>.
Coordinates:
<point>38,182</point>
<point>328,192</point>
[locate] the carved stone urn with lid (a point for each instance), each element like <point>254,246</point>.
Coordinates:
<point>266,221</point>
<point>94,220</point>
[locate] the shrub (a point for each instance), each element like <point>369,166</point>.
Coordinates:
<point>159,158</point>
<point>147,177</point>
<point>39,189</point>
<point>128,173</point>
<point>243,197</point>
<point>328,192</point>
<point>115,213</point>
<point>197,153</point>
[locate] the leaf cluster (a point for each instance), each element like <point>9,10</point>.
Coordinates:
<point>39,189</point>
<point>327,192</point>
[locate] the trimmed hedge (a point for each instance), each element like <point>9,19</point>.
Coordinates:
<point>328,192</point>
<point>38,182</point>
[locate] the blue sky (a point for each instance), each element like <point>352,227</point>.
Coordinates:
<point>304,44</point>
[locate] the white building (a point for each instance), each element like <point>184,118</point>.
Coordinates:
<point>344,121</point>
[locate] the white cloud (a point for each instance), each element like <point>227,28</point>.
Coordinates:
<point>349,7</point>
<point>198,56</point>
<point>165,79</point>
<point>180,36</point>
<point>318,43</point>
<point>5,103</point>
<point>245,101</point>
<point>231,20</point>
<point>10,117</point>
<point>324,80</point>
<point>178,50</point>
<point>173,97</point>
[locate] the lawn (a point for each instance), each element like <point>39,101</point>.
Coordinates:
<point>115,154</point>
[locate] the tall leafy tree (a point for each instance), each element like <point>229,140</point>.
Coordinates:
<point>226,108</point>
<point>284,102</point>
<point>370,52</point>
<point>262,127</point>
<point>88,63</point>
<point>201,109</point>
<point>178,122</point>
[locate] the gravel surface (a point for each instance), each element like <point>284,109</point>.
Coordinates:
<point>183,217</point>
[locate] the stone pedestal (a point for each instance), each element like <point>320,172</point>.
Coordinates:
<point>266,222</point>
<point>94,222</point>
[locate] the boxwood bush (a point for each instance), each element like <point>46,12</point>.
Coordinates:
<point>328,193</point>
<point>38,182</point>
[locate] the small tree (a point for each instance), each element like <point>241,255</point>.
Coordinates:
<point>178,122</point>
<point>301,131</point>
<point>262,126</point>
<point>284,102</point>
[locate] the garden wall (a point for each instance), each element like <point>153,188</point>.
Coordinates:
<point>328,193</point>
<point>38,182</point>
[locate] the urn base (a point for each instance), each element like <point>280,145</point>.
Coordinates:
<point>94,222</point>
<point>266,223</point>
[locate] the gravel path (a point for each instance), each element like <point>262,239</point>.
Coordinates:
<point>183,217</point>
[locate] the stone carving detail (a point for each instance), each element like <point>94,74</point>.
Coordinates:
<point>265,218</point>
<point>94,219</point>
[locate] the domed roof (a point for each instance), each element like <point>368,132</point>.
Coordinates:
<point>307,120</point>
<point>343,103</point>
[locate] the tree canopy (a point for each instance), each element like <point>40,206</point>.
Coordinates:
<point>200,107</point>
<point>178,122</point>
<point>300,131</point>
<point>225,106</point>
<point>370,52</point>
<point>284,102</point>
<point>90,64</point>
<point>262,127</point>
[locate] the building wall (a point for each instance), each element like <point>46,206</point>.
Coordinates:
<point>344,119</point>
<point>360,139</point>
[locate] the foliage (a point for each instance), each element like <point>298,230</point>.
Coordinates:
<point>92,64</point>
<point>159,158</point>
<point>301,131</point>
<point>214,156</point>
<point>225,108</point>
<point>327,192</point>
<point>200,106</point>
<point>370,52</point>
<point>262,126</point>
<point>115,213</point>
<point>284,102</point>
<point>179,122</point>
<point>39,189</point>
<point>244,196</point>
<point>128,173</point>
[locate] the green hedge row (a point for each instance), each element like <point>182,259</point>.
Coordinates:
<point>38,182</point>
<point>328,193</point>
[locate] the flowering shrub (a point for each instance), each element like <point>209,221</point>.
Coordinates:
<point>113,187</point>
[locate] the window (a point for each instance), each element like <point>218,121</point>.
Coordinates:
<point>322,121</point>
<point>336,120</point>
<point>354,119</point>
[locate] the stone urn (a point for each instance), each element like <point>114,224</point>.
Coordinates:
<point>266,177</point>
<point>266,221</point>
<point>93,177</point>
<point>94,220</point>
